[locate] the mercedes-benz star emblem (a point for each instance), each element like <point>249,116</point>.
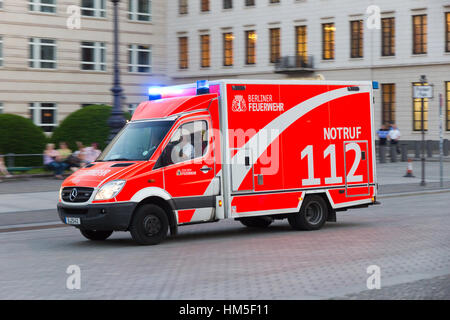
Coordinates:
<point>73,194</point>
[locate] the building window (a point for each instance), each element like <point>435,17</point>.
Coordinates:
<point>447,32</point>
<point>93,56</point>
<point>1,105</point>
<point>388,37</point>
<point>250,47</point>
<point>275,50</point>
<point>205,6</point>
<point>183,6</point>
<point>227,4</point>
<point>417,111</point>
<point>140,10</point>
<point>139,58</point>
<point>447,105</point>
<point>43,115</point>
<point>183,57</point>
<point>328,30</point>
<point>249,3</point>
<point>228,49</point>
<point>274,1</point>
<point>204,51</point>
<point>93,8</point>
<point>356,31</point>
<point>301,41</point>
<point>388,103</point>
<point>420,34</point>
<point>1,4</point>
<point>42,53</point>
<point>48,6</point>
<point>1,51</point>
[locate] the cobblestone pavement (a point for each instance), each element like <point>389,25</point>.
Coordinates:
<point>437,288</point>
<point>407,237</point>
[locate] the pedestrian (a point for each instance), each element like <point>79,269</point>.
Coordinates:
<point>394,136</point>
<point>64,151</point>
<point>383,134</point>
<point>53,161</point>
<point>3,169</point>
<point>92,153</point>
<point>76,159</point>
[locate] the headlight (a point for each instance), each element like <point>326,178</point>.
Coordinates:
<point>60,193</point>
<point>109,190</point>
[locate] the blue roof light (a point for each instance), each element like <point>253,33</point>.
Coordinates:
<point>202,87</point>
<point>154,93</point>
<point>375,85</point>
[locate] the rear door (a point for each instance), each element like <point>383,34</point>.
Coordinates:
<point>356,166</point>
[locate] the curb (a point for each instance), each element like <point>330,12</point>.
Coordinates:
<point>412,193</point>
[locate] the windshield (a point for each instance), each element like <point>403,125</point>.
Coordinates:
<point>136,142</point>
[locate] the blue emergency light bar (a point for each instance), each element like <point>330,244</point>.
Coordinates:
<point>375,85</point>
<point>202,87</point>
<point>154,93</point>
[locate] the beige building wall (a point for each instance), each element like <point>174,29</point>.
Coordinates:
<point>68,86</point>
<point>401,69</point>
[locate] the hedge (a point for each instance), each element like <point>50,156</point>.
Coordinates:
<point>89,124</point>
<point>21,136</point>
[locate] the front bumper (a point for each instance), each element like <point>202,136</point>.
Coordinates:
<point>111,216</point>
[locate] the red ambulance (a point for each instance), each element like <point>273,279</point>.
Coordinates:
<point>248,150</point>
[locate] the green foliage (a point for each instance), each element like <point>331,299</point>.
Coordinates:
<point>89,124</point>
<point>21,136</point>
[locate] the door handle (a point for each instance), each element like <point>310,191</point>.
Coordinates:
<point>205,169</point>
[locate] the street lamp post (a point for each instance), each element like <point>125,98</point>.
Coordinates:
<point>116,121</point>
<point>423,80</point>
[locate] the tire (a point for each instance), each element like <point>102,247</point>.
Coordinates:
<point>312,215</point>
<point>96,235</point>
<point>149,225</point>
<point>256,222</point>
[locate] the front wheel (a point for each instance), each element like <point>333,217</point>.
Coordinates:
<point>312,215</point>
<point>149,225</point>
<point>96,235</point>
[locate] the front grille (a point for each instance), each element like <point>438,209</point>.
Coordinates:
<point>82,194</point>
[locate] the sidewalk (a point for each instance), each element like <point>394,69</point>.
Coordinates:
<point>42,193</point>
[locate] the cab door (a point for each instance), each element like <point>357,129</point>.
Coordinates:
<point>189,170</point>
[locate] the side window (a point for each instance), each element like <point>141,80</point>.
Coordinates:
<point>188,142</point>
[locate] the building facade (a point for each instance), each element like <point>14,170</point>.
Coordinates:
<point>338,40</point>
<point>50,66</point>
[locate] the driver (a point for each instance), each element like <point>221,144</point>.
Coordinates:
<point>184,150</point>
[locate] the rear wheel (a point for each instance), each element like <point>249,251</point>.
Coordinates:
<point>312,215</point>
<point>149,225</point>
<point>96,235</point>
<point>256,222</point>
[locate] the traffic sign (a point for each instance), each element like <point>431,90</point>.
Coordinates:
<point>421,92</point>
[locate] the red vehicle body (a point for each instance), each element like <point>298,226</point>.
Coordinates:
<point>259,151</point>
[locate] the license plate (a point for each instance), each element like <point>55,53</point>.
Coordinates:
<point>73,220</point>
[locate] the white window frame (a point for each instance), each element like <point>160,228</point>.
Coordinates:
<point>99,62</point>
<point>35,45</point>
<point>133,67</point>
<point>99,9</point>
<point>36,108</point>
<point>37,5</point>
<point>134,15</point>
